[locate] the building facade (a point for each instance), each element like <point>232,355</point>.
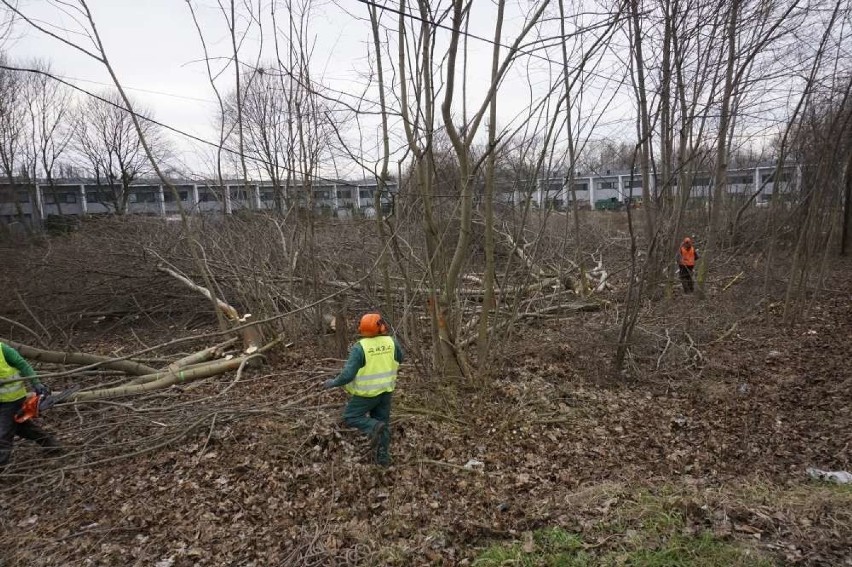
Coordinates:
<point>27,202</point>
<point>33,203</point>
<point>621,186</point>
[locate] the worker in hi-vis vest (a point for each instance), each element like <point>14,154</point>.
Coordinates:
<point>13,370</point>
<point>686,257</point>
<point>369,375</point>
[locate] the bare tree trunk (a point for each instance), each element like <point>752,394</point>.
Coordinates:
<point>644,120</point>
<point>488,302</point>
<point>572,158</point>
<point>383,175</point>
<point>220,179</point>
<point>847,207</point>
<point>720,176</point>
<point>453,360</point>
<point>232,29</point>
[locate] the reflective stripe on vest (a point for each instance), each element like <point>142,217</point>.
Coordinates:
<point>378,375</point>
<point>10,391</point>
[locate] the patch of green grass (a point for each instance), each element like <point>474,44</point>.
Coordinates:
<point>656,526</point>
<point>557,539</point>
<point>647,530</point>
<point>555,547</point>
<point>551,547</point>
<point>689,551</point>
<point>670,525</point>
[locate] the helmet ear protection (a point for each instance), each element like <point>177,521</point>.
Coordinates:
<point>382,325</point>
<point>372,324</point>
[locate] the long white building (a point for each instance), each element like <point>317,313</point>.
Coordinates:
<point>25,202</point>
<point>76,197</point>
<point>553,192</point>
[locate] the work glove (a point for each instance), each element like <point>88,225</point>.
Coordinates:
<point>328,383</point>
<point>41,390</point>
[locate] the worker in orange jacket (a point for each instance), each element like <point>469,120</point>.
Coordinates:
<point>686,257</point>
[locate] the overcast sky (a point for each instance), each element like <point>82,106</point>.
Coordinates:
<point>156,52</point>
<point>155,49</point>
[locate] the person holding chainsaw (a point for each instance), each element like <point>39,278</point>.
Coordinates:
<point>13,393</point>
<point>369,376</point>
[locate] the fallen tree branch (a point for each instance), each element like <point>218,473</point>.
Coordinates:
<point>519,251</point>
<point>192,360</point>
<point>733,281</point>
<point>726,334</point>
<point>24,327</point>
<point>575,307</point>
<point>164,379</point>
<point>202,356</point>
<point>227,309</point>
<point>91,360</point>
<point>220,333</point>
<point>31,314</point>
<point>178,375</point>
<point>252,336</point>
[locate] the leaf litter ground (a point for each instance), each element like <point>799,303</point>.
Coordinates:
<point>709,441</point>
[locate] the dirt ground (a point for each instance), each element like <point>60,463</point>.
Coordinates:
<point>709,433</point>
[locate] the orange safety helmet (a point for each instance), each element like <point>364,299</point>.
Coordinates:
<point>371,325</point>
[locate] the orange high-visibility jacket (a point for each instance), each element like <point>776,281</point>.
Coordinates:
<point>687,256</point>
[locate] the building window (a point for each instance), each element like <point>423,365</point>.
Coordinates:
<point>23,197</point>
<point>740,180</point>
<point>770,177</point>
<point>366,193</point>
<point>100,197</point>
<point>168,197</point>
<point>607,185</point>
<point>143,197</point>
<point>344,193</point>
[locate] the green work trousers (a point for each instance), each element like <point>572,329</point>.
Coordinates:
<point>365,414</point>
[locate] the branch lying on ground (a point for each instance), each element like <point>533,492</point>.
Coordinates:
<point>92,360</point>
<point>252,337</point>
<point>166,378</point>
<point>24,327</point>
<point>195,366</point>
<point>573,307</point>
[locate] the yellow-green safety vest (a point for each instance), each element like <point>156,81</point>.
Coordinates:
<point>378,375</point>
<point>10,391</point>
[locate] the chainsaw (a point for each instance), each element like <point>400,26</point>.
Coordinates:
<point>35,403</point>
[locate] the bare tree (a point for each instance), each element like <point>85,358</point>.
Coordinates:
<point>13,132</point>
<point>108,145</point>
<point>51,126</point>
<point>7,24</point>
<point>264,120</point>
